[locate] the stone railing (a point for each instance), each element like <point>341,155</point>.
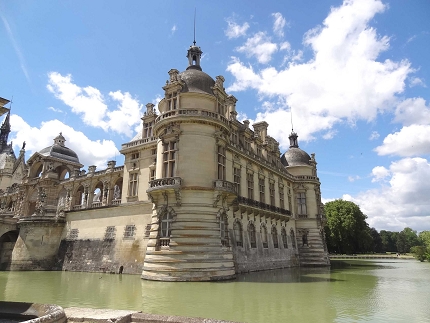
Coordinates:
<point>221,185</point>
<point>262,206</point>
<point>194,113</point>
<point>164,183</point>
<point>307,177</point>
<point>138,142</point>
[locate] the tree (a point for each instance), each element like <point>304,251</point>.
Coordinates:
<point>377,240</point>
<point>406,239</point>
<point>422,251</point>
<point>389,240</point>
<point>346,229</point>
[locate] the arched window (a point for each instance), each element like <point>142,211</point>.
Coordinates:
<point>237,228</point>
<point>166,219</point>
<point>251,232</point>
<point>264,236</point>
<point>275,237</point>
<point>284,238</point>
<point>293,238</point>
<point>223,226</point>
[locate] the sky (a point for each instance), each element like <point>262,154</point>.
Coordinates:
<point>351,77</point>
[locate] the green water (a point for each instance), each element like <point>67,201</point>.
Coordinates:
<point>351,291</point>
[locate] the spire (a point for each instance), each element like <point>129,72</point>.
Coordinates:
<point>194,52</point>
<point>4,131</point>
<point>293,140</point>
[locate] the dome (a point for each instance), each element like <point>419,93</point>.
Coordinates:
<point>295,157</point>
<point>196,81</point>
<point>59,150</point>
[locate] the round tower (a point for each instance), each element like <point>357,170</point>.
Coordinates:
<point>189,235</point>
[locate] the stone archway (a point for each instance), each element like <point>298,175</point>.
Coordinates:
<point>7,243</point>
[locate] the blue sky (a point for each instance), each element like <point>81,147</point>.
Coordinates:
<point>355,75</point>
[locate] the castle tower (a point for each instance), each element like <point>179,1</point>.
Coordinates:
<point>189,235</point>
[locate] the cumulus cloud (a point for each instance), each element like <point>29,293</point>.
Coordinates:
<point>412,111</point>
<point>353,178</point>
<point>90,152</point>
<point>234,30</point>
<point>416,81</point>
<point>402,199</point>
<point>259,46</point>
<point>173,30</point>
<point>343,80</point>
<point>278,24</point>
<point>90,104</point>
<point>413,140</point>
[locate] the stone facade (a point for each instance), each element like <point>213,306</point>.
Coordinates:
<point>201,196</point>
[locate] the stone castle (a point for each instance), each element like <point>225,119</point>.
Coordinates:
<point>201,196</point>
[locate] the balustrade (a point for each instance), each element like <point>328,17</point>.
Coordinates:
<point>262,206</point>
<point>192,112</point>
<point>222,185</point>
<point>162,183</point>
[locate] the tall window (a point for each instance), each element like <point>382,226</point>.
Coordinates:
<point>234,137</point>
<point>166,220</point>
<point>284,238</point>
<point>129,231</point>
<point>259,151</point>
<point>223,230</point>
<point>221,162</point>
<point>236,179</point>
<point>290,206</point>
<point>151,174</point>
<point>250,183</point>
<point>251,232</point>
<point>281,197</point>
<point>221,108</point>
<point>272,193</point>
<point>301,203</point>
<point>147,130</point>
<point>132,185</point>
<point>172,101</point>
<point>261,188</point>
<point>169,156</point>
<point>275,237</point>
<point>264,236</point>
<point>237,228</point>
<point>247,145</point>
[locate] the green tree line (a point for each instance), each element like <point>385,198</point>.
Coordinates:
<point>347,232</point>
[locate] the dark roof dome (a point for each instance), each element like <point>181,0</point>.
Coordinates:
<point>196,81</point>
<point>295,156</point>
<point>59,150</point>
<point>194,78</point>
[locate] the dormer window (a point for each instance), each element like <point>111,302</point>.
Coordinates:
<point>172,101</point>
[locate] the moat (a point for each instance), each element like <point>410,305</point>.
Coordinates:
<point>350,291</point>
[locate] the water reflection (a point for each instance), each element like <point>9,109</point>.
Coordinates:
<point>357,291</point>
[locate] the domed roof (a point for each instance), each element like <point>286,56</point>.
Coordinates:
<point>196,81</point>
<point>295,157</point>
<point>59,150</point>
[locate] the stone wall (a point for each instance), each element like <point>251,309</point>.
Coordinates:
<point>88,245</point>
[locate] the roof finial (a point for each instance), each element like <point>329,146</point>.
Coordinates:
<point>194,42</point>
<point>291,115</point>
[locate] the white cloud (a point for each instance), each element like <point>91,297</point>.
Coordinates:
<point>55,109</point>
<point>402,200</point>
<point>413,140</point>
<point>374,135</point>
<point>91,105</point>
<point>278,24</point>
<point>416,81</point>
<point>235,30</point>
<point>343,80</point>
<point>379,173</point>
<point>353,178</point>
<point>174,28</point>
<point>259,46</point>
<point>89,152</point>
<point>412,111</point>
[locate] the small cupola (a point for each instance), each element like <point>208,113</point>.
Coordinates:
<point>194,54</point>
<point>60,140</point>
<point>293,140</point>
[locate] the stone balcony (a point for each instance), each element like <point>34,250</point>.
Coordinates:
<point>164,184</point>
<point>255,207</point>
<point>221,185</point>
